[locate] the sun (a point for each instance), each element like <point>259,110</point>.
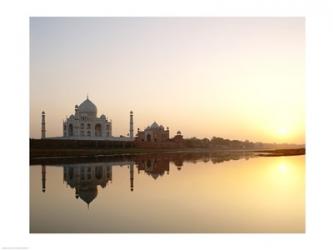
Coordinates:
<point>282,132</point>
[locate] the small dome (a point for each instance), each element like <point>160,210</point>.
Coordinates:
<point>103,117</point>
<point>87,107</point>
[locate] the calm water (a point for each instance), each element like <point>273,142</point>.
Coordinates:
<point>170,194</point>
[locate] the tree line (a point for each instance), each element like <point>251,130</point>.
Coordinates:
<point>218,142</point>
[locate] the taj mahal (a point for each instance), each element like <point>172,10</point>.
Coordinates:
<point>85,124</point>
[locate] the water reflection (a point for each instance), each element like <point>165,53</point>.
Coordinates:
<point>236,193</point>
<point>84,178</point>
<point>154,167</point>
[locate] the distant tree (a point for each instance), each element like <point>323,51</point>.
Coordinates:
<point>205,142</point>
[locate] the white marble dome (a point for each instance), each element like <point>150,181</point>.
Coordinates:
<point>87,107</point>
<point>154,125</point>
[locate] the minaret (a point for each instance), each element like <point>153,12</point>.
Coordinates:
<point>43,126</point>
<point>132,176</point>
<point>43,178</point>
<point>110,127</point>
<point>131,125</point>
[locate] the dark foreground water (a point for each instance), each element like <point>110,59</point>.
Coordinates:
<point>205,194</point>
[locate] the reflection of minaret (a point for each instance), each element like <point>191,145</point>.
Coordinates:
<point>131,125</point>
<point>132,176</point>
<point>77,191</point>
<point>109,173</point>
<point>43,125</point>
<point>43,178</point>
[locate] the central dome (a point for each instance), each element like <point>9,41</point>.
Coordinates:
<point>87,107</point>
<point>154,125</point>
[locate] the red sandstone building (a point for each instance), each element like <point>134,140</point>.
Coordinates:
<point>157,135</point>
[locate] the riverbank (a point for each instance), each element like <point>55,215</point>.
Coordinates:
<point>281,152</point>
<point>76,150</point>
<point>176,156</point>
<point>39,156</point>
<point>83,152</point>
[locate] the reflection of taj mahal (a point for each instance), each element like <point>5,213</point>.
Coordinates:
<point>85,178</point>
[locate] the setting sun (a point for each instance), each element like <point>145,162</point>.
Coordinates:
<point>282,132</point>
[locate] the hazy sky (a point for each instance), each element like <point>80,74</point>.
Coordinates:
<point>238,78</point>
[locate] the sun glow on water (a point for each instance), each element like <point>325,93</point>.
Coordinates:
<point>282,168</point>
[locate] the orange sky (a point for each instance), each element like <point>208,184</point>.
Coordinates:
<point>238,78</point>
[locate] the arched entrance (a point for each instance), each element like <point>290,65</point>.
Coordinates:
<point>98,173</point>
<point>98,130</point>
<point>70,130</point>
<point>148,138</point>
<point>71,173</point>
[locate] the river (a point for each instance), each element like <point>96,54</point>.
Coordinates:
<point>170,194</point>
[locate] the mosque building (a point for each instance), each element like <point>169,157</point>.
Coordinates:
<point>153,133</point>
<point>157,135</point>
